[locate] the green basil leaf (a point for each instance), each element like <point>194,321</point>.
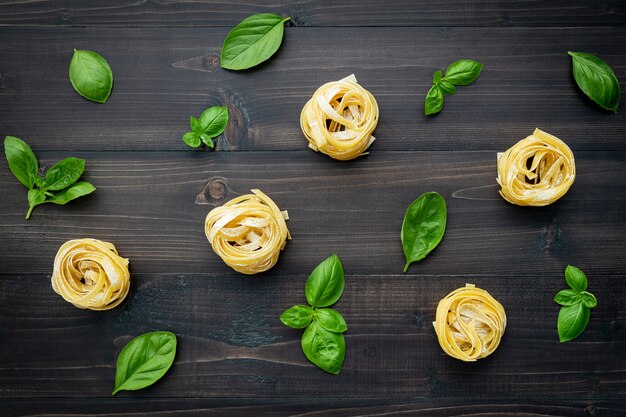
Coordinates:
<point>447,87</point>
<point>22,161</point>
<point>463,72</point>
<point>91,76</point>
<point>207,140</point>
<point>434,100</point>
<point>35,197</point>
<point>297,317</point>
<point>575,278</point>
<point>572,321</point>
<point>144,360</point>
<point>254,40</point>
<point>330,320</point>
<point>196,126</point>
<point>588,299</point>
<point>596,79</point>
<point>191,139</point>
<point>214,120</point>
<point>64,173</point>
<point>423,226</point>
<point>72,192</point>
<point>437,77</point>
<point>325,349</point>
<point>567,297</point>
<point>325,284</point>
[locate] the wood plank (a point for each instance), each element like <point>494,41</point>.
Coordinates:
<point>231,343</point>
<point>162,76</point>
<point>315,13</point>
<point>99,407</point>
<point>152,205</point>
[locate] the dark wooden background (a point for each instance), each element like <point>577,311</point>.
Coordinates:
<point>235,357</point>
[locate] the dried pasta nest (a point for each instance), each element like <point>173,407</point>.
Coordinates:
<point>339,119</point>
<point>536,171</point>
<point>248,232</point>
<point>89,273</point>
<point>469,323</point>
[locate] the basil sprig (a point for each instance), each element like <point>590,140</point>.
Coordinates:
<point>91,76</point>
<point>423,226</point>
<point>144,360</point>
<point>211,124</point>
<point>61,177</point>
<point>253,41</point>
<point>322,341</point>
<point>577,304</point>
<point>596,79</point>
<point>462,72</point>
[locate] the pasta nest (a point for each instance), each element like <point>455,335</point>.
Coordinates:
<point>536,171</point>
<point>89,273</point>
<point>339,119</point>
<point>248,232</point>
<point>469,323</point>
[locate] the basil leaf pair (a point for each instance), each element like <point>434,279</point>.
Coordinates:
<point>322,342</point>
<point>211,124</point>
<point>61,177</point>
<point>462,72</point>
<point>423,226</point>
<point>253,41</point>
<point>144,360</point>
<point>577,302</point>
<point>596,79</point>
<point>91,76</point>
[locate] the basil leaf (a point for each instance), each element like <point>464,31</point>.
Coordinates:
<point>463,72</point>
<point>191,139</point>
<point>575,278</point>
<point>72,192</point>
<point>423,226</point>
<point>434,100</point>
<point>35,197</point>
<point>207,140</point>
<point>567,297</point>
<point>214,120</point>
<point>437,77</point>
<point>22,161</point>
<point>254,40</point>
<point>325,284</point>
<point>195,126</point>
<point>91,76</point>
<point>330,320</point>
<point>325,349</point>
<point>447,87</point>
<point>297,317</point>
<point>596,79</point>
<point>588,299</point>
<point>572,321</point>
<point>144,360</point>
<point>64,173</point>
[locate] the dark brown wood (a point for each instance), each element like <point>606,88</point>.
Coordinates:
<point>316,13</point>
<point>162,76</point>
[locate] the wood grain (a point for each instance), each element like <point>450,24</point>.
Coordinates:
<point>162,76</point>
<point>315,13</point>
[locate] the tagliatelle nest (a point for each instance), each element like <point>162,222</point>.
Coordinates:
<point>339,119</point>
<point>536,171</point>
<point>89,273</point>
<point>248,232</point>
<point>469,323</point>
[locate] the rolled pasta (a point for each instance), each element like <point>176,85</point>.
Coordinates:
<point>536,171</point>
<point>248,232</point>
<point>339,119</point>
<point>89,273</point>
<point>469,323</point>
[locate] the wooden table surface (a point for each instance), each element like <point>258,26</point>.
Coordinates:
<point>235,357</point>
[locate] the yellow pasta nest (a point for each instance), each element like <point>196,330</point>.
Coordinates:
<point>90,274</point>
<point>248,232</point>
<point>339,119</point>
<point>536,171</point>
<point>469,323</point>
